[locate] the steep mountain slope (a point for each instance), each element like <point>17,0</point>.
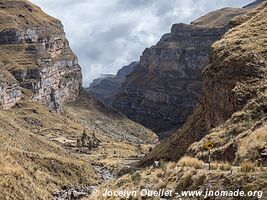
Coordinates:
<point>232,111</point>
<point>34,49</point>
<point>105,89</point>
<point>31,166</point>
<point>108,122</point>
<point>165,87</point>
<point>40,154</point>
<point>232,115</point>
<point>43,150</point>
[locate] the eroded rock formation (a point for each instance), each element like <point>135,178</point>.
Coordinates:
<point>232,112</point>
<point>34,49</point>
<point>105,89</point>
<point>167,84</point>
<point>10,92</point>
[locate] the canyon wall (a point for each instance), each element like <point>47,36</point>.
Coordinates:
<point>34,49</point>
<point>105,89</point>
<point>165,87</point>
<point>10,92</point>
<point>232,113</point>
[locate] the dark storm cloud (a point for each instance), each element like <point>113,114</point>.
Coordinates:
<point>107,34</point>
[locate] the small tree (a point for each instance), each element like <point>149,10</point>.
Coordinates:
<point>94,135</point>
<point>84,138</point>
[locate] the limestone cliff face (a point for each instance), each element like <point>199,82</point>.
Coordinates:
<point>232,112</point>
<point>105,89</point>
<point>33,48</point>
<point>10,92</point>
<point>166,85</point>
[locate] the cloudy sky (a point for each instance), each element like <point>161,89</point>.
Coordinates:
<point>108,34</point>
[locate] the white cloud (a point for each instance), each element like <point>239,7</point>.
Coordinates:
<point>107,34</point>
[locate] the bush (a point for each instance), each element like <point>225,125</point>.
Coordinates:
<point>191,162</point>
<point>264,176</point>
<point>225,166</point>
<point>214,166</point>
<point>84,138</point>
<point>248,167</point>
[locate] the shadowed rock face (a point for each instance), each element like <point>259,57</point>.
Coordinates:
<point>34,49</point>
<point>233,109</point>
<point>166,85</point>
<point>105,89</point>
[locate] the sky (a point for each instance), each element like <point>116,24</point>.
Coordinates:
<point>109,34</point>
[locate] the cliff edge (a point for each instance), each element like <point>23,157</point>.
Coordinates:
<point>165,87</point>
<point>232,111</point>
<point>34,49</point>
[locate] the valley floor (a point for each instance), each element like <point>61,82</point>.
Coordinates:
<point>40,154</point>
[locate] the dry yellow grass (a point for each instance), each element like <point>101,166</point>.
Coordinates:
<point>248,167</point>
<point>33,138</point>
<point>225,166</point>
<point>171,166</point>
<point>214,165</point>
<point>191,162</point>
<point>31,164</point>
<point>249,145</point>
<point>16,56</point>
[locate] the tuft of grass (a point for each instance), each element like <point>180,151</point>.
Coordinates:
<point>248,167</point>
<point>191,162</point>
<point>214,166</point>
<point>171,166</point>
<point>225,166</point>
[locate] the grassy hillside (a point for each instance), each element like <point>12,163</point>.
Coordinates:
<point>32,166</point>
<point>39,153</point>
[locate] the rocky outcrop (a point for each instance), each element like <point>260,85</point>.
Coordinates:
<point>10,92</point>
<point>105,89</point>
<point>232,113</point>
<point>235,94</point>
<point>34,49</point>
<point>166,85</point>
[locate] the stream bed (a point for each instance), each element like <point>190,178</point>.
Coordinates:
<point>77,193</point>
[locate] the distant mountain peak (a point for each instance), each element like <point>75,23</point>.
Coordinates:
<point>253,3</point>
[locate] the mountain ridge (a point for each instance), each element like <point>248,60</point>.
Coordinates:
<point>163,90</point>
<point>53,137</point>
<point>232,82</point>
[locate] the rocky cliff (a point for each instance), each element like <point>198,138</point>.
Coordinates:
<point>45,154</point>
<point>105,89</point>
<point>34,49</point>
<point>232,112</point>
<point>166,85</point>
<point>10,92</point>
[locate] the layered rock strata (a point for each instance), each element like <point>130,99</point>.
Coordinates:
<point>34,49</point>
<point>105,89</point>
<point>165,87</point>
<point>10,92</point>
<point>233,109</point>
